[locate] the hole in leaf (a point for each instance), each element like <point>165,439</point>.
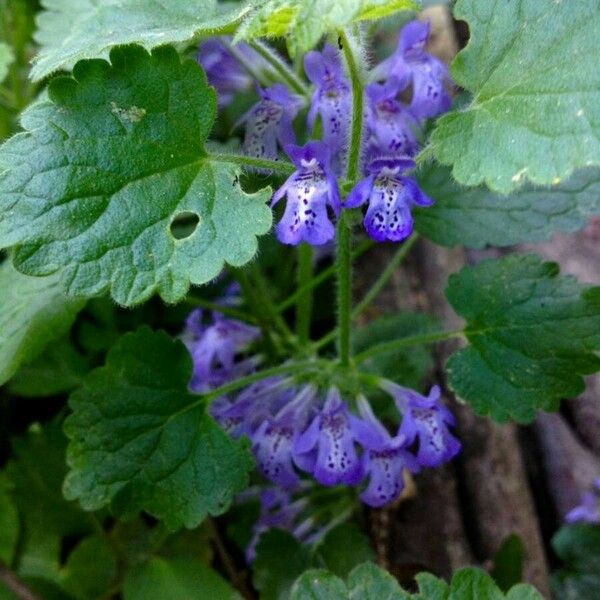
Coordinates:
<point>184,224</point>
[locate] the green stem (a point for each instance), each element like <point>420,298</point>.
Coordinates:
<point>357,109</point>
<point>228,311</point>
<point>324,275</point>
<point>344,282</point>
<point>385,276</point>
<point>304,304</point>
<point>278,65</point>
<point>281,166</point>
<point>406,342</point>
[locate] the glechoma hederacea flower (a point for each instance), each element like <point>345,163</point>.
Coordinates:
<point>390,195</point>
<point>412,65</point>
<point>310,190</point>
<point>588,511</point>
<point>269,121</point>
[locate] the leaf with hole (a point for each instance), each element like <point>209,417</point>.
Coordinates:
<point>107,169</point>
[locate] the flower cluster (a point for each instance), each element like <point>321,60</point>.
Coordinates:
<point>297,428</point>
<point>407,88</point>
<point>589,509</point>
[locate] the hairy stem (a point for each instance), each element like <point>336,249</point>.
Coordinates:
<point>323,276</point>
<point>344,291</point>
<point>406,342</point>
<point>280,67</point>
<point>304,303</point>
<point>280,166</point>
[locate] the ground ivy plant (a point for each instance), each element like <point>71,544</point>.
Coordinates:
<point>185,182</point>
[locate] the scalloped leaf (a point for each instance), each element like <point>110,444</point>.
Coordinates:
<point>535,113</point>
<point>105,169</point>
<point>533,335</point>
<point>72,30</point>
<point>140,441</point>
<point>478,217</point>
<point>304,22</point>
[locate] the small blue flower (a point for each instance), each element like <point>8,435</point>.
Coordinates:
<point>270,121</point>
<point>411,64</point>
<point>425,419</point>
<point>391,127</point>
<point>332,100</point>
<point>589,509</point>
<point>391,196</point>
<point>385,458</point>
<point>327,446</point>
<point>309,190</point>
<point>215,349</point>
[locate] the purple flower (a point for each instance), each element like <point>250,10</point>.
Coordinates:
<point>327,447</point>
<point>309,191</point>
<point>426,419</point>
<point>274,439</point>
<point>391,127</point>
<point>384,460</point>
<point>222,69</point>
<point>332,100</point>
<point>589,509</point>
<point>214,349</point>
<point>411,64</point>
<point>270,121</point>
<point>391,197</point>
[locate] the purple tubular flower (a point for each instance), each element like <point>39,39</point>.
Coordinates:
<point>589,509</point>
<point>214,349</point>
<point>390,125</point>
<point>332,100</point>
<point>309,191</point>
<point>223,71</point>
<point>410,63</point>
<point>274,439</point>
<point>269,121</point>
<point>384,460</point>
<point>327,447</point>
<point>391,197</point>
<point>426,419</point>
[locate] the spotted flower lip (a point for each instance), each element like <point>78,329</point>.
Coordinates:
<point>391,196</point>
<point>391,127</point>
<point>309,190</point>
<point>425,419</point>
<point>270,121</point>
<point>411,64</point>
<point>327,447</point>
<point>332,100</point>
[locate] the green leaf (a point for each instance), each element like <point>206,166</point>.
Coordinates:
<point>508,562</point>
<point>71,30</point>
<point>318,584</point>
<point>6,59</point>
<point>535,113</point>
<point>369,582</point>
<point>304,22</point>
<point>9,522</point>
<point>59,369</point>
<point>177,579</point>
<point>408,367</point>
<point>141,441</point>
<point>477,217</point>
<point>90,570</point>
<point>36,473</point>
<point>532,334</point>
<point>33,312</point>
<point>344,548</point>
<point>579,548</point>
<point>105,168</point>
<point>431,588</point>
<point>280,559</point>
